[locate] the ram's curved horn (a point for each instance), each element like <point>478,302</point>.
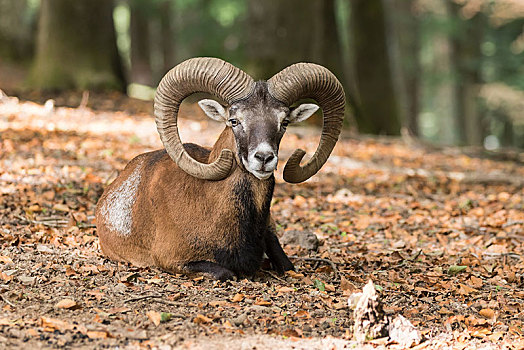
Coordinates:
<point>308,80</point>
<point>203,74</point>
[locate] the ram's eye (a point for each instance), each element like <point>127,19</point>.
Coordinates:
<point>285,123</point>
<point>234,122</point>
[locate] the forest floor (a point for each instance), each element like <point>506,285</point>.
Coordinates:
<point>440,234</point>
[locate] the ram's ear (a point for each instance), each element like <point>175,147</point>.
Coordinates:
<point>302,112</point>
<point>213,109</point>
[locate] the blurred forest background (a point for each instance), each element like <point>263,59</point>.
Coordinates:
<point>448,71</point>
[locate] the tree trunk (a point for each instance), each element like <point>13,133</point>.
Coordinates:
<point>76,46</point>
<point>16,30</point>
<point>168,35</point>
<point>141,72</point>
<point>466,55</point>
<point>277,39</point>
<point>407,35</point>
<point>373,69</point>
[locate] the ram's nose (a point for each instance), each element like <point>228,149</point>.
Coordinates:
<point>265,157</point>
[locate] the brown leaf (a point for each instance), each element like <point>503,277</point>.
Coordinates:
<point>154,317</point>
<point>67,304</point>
<point>49,195</point>
<point>475,282</point>
<point>98,334</point>
<point>285,290</point>
<point>346,285</point>
<point>51,324</point>
<point>70,271</point>
<point>302,314</point>
<point>487,313</point>
<point>262,302</point>
<point>61,207</point>
<point>216,303</point>
<point>291,333</point>
<point>329,287</point>
<point>465,290</point>
<point>200,319</point>
<point>238,298</point>
<point>294,274</point>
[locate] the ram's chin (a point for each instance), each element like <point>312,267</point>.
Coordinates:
<point>261,175</point>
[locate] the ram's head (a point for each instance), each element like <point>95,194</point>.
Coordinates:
<point>258,113</point>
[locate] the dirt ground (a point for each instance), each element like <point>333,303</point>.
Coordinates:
<point>440,233</point>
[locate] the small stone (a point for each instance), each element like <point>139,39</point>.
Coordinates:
<point>237,321</point>
<point>26,280</point>
<point>305,239</point>
<point>257,308</point>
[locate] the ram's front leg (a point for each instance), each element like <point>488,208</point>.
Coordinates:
<point>274,251</point>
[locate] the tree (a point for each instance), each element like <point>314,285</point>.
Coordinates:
<point>466,41</point>
<point>407,34</point>
<point>379,108</point>
<point>16,30</point>
<point>281,33</point>
<point>76,46</point>
<point>140,42</point>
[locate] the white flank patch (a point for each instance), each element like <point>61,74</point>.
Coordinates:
<point>118,206</point>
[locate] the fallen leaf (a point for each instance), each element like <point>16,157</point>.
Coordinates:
<point>61,207</point>
<point>154,317</point>
<point>465,290</point>
<point>475,282</point>
<point>285,290</point>
<point>67,304</point>
<point>216,303</point>
<point>238,298</point>
<point>262,302</point>
<point>454,269</point>
<point>329,287</point>
<point>97,334</point>
<point>200,319</point>
<point>294,274</point>
<point>487,313</point>
<point>345,285</point>
<point>319,285</point>
<point>51,324</point>
<point>165,316</point>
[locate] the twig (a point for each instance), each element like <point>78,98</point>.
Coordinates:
<point>275,276</point>
<point>56,223</point>
<point>511,255</point>
<point>7,301</point>
<point>512,223</point>
<point>331,263</point>
<point>138,298</point>
<point>414,257</point>
<point>85,99</point>
<point>155,296</point>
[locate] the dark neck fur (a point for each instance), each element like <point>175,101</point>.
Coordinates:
<point>246,256</point>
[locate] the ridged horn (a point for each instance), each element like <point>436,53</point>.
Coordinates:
<point>202,74</point>
<point>308,80</point>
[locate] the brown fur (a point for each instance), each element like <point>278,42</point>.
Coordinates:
<point>177,219</point>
